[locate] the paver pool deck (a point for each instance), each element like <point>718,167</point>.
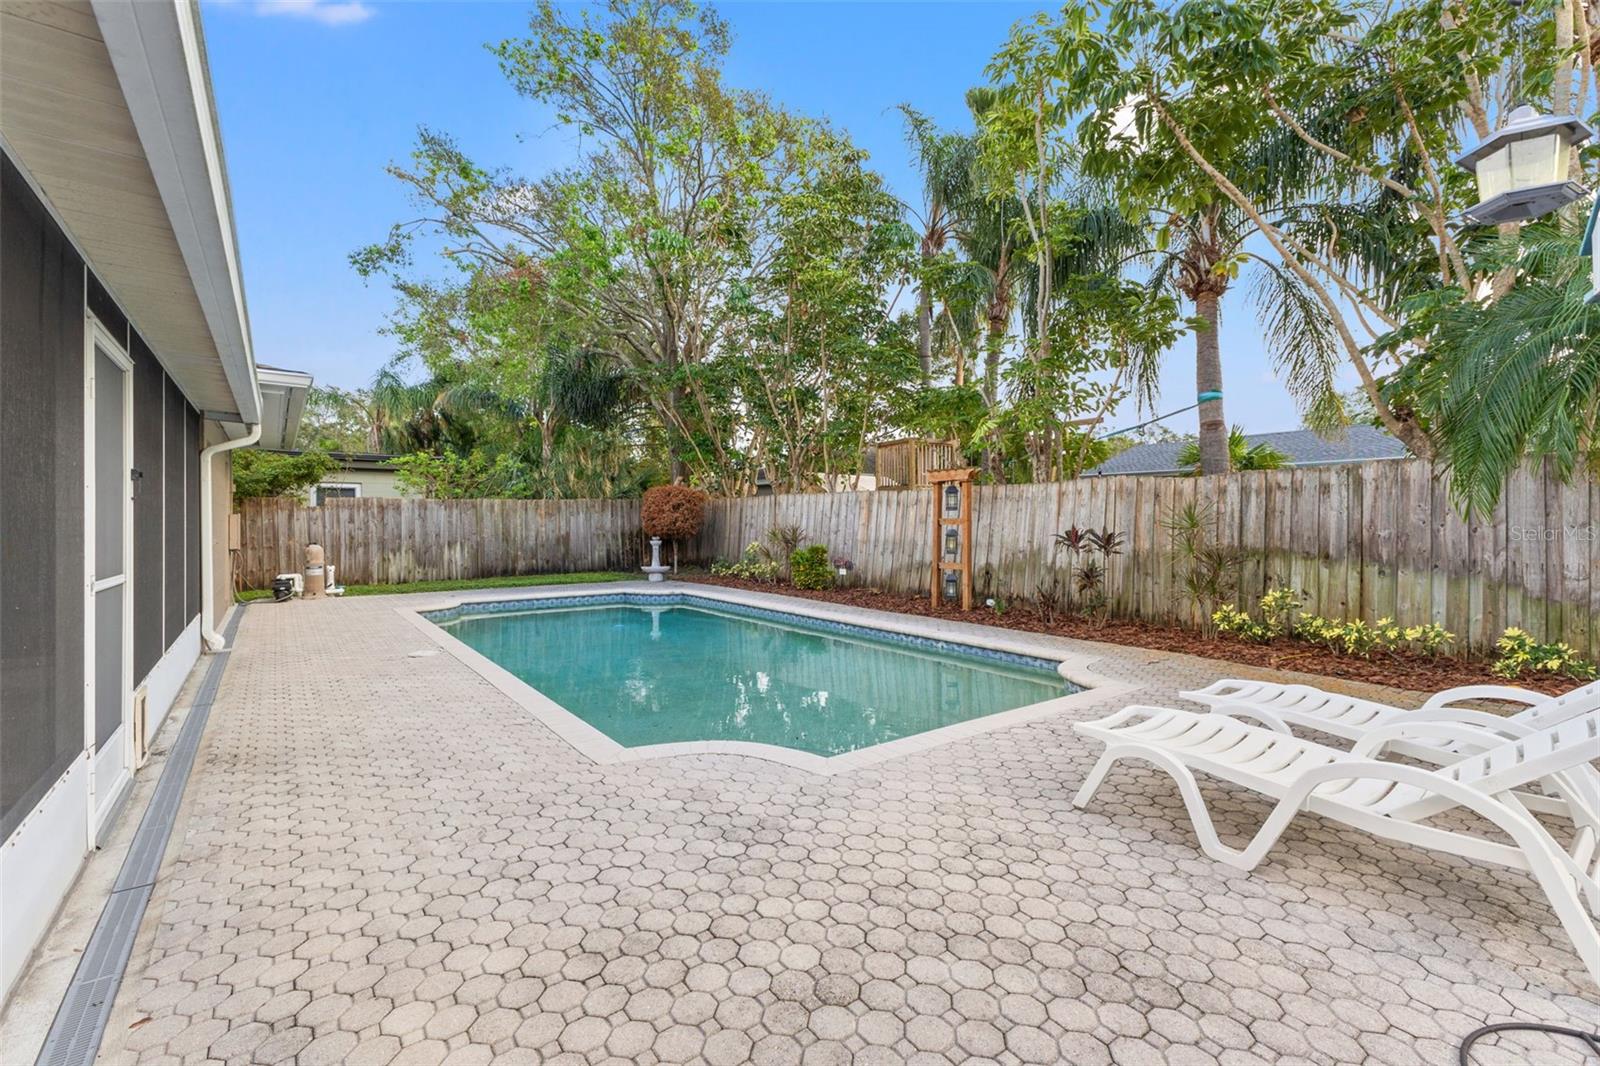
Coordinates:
<point>383,859</point>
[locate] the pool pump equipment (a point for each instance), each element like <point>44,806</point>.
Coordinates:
<point>316,579</point>
<point>315,582</point>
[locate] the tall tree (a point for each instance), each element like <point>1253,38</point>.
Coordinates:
<point>1022,159</point>
<point>946,161</point>
<point>1363,102</point>
<point>670,204</point>
<point>816,353</point>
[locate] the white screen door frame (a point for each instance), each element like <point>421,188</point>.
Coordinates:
<point>108,582</point>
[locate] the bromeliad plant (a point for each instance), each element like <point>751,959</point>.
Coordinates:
<point>1091,550</point>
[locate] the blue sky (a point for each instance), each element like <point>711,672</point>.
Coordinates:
<point>317,96</point>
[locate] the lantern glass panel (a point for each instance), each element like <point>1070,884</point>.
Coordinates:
<point>1520,165</point>
<point>952,543</point>
<point>952,500</point>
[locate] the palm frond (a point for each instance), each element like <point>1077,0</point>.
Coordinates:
<point>1302,344</point>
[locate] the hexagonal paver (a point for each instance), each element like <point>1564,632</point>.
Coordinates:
<point>387,860</point>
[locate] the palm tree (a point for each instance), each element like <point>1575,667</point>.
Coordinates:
<point>946,161</point>
<point>430,415</point>
<point>1242,455</point>
<point>1516,378</point>
<point>1200,267</point>
<point>1199,255</point>
<point>989,241</point>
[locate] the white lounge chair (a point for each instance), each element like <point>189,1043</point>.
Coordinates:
<point>1387,799</point>
<point>1278,706</point>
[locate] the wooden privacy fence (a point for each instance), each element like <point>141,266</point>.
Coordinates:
<point>1368,540</point>
<point>1372,540</point>
<point>377,541</point>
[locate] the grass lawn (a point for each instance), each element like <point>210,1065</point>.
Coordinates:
<point>514,581</point>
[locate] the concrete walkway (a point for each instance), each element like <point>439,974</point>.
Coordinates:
<point>382,859</point>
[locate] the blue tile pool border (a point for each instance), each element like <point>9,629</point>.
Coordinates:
<point>444,616</point>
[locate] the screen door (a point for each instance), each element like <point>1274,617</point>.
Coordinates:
<point>110,395</point>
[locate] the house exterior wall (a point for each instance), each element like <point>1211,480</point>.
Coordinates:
<point>374,484</point>
<point>49,765</point>
<point>221,474</point>
<point>41,501</point>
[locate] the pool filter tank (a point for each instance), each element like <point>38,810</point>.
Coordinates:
<point>316,580</point>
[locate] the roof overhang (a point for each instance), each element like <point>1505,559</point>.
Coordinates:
<point>283,402</point>
<point>107,106</point>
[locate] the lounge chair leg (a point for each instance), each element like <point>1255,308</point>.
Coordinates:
<point>1565,896</point>
<point>1204,829</point>
<point>1091,784</point>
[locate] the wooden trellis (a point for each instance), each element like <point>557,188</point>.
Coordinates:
<point>952,535</point>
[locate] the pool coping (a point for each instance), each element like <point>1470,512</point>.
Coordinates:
<point>602,749</point>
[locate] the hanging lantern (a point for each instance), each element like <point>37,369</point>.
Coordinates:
<point>951,588</point>
<point>1522,167</point>
<point>952,543</point>
<point>952,500</point>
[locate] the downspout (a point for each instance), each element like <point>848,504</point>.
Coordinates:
<point>208,565</point>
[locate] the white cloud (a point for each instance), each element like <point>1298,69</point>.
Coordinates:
<point>327,12</point>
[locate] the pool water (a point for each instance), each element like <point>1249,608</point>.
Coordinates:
<point>661,675</point>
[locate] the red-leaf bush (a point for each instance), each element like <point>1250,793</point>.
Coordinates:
<point>673,512</point>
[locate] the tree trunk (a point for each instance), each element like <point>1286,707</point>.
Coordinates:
<point>993,342</point>
<point>1208,382</point>
<point>925,328</point>
<point>679,469</point>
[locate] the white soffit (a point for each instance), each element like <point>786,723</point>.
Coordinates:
<point>283,403</point>
<point>107,106</point>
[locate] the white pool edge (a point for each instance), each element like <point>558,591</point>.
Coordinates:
<point>599,748</point>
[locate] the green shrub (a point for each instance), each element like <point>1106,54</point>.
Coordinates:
<point>260,473</point>
<point>1229,619</point>
<point>1358,638</point>
<point>1429,639</point>
<point>754,565</point>
<point>809,569</point>
<point>1519,653</point>
<point>1278,608</point>
<point>454,476</point>
<point>1354,637</point>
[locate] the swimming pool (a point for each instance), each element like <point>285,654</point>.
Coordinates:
<point>650,670</point>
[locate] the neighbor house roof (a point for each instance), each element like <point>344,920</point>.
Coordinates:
<point>107,107</point>
<point>1303,447</point>
<point>376,462</point>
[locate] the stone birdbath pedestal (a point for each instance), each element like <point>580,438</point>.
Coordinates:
<point>656,571</point>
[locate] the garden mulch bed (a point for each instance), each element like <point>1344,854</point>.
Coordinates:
<point>1411,672</point>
